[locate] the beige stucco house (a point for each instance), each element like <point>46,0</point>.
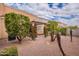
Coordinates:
<point>5,9</point>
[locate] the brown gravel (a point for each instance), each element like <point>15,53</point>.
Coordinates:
<point>43,47</point>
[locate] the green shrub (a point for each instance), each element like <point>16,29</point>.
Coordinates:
<point>52,26</point>
<point>17,25</point>
<point>73,27</point>
<point>63,30</point>
<point>11,51</point>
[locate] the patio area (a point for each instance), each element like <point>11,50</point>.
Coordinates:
<point>44,47</point>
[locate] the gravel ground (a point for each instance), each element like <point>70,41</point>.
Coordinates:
<point>43,47</point>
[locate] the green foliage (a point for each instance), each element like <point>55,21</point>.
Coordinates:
<point>10,24</point>
<point>63,30</point>
<point>54,30</point>
<point>11,51</point>
<point>52,26</point>
<point>73,27</point>
<point>17,25</point>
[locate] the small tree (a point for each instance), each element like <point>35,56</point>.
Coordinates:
<point>58,30</point>
<point>63,30</point>
<point>17,25</point>
<point>55,30</point>
<point>71,30</point>
<point>52,26</point>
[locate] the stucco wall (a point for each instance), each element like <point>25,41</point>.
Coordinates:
<point>2,26</point>
<point>9,10</point>
<point>5,9</point>
<point>74,32</point>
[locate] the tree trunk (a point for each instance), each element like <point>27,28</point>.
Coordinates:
<point>19,39</point>
<point>35,29</point>
<point>52,36</point>
<point>45,31</point>
<point>71,35</point>
<point>59,43</point>
<point>71,38</point>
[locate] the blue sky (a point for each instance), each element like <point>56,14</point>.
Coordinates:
<point>67,13</point>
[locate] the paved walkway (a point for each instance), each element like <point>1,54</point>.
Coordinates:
<point>43,47</point>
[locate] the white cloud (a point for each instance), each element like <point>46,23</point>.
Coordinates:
<point>44,11</point>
